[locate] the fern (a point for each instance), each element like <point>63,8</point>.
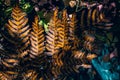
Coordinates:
<point>4,76</point>
<point>66,30</point>
<point>18,30</point>
<point>30,75</point>
<point>52,35</point>
<point>8,61</point>
<point>37,39</point>
<point>73,39</point>
<point>72,25</point>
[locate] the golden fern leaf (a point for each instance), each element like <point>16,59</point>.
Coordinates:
<point>52,35</point>
<point>82,56</point>
<point>51,42</point>
<point>12,74</point>
<point>66,30</point>
<point>61,34</point>
<point>56,71</point>
<point>59,27</point>
<point>8,61</point>
<point>54,19</point>
<point>30,75</point>
<point>68,70</point>
<point>37,39</point>
<point>72,25</point>
<point>74,41</point>
<point>55,16</point>
<point>4,76</point>
<point>18,29</point>
<point>68,65</point>
<point>23,54</point>
<point>89,17</point>
<point>94,16</point>
<point>79,55</point>
<point>57,59</point>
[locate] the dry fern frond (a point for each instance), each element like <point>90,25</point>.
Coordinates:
<point>55,16</point>
<point>72,62</point>
<point>23,54</point>
<point>65,65</point>
<point>51,42</point>
<point>10,63</point>
<point>64,70</point>
<point>83,57</point>
<point>73,39</point>
<point>94,17</point>
<point>61,36</point>
<point>89,40</point>
<point>80,55</point>
<point>37,39</point>
<point>4,76</point>
<point>59,29</point>
<point>8,60</point>
<point>57,59</point>
<point>72,25</point>
<point>54,21</point>
<point>82,18</point>
<point>52,35</point>
<point>12,74</point>
<point>56,71</point>
<point>18,29</point>
<point>66,30</point>
<point>88,17</point>
<point>30,75</point>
